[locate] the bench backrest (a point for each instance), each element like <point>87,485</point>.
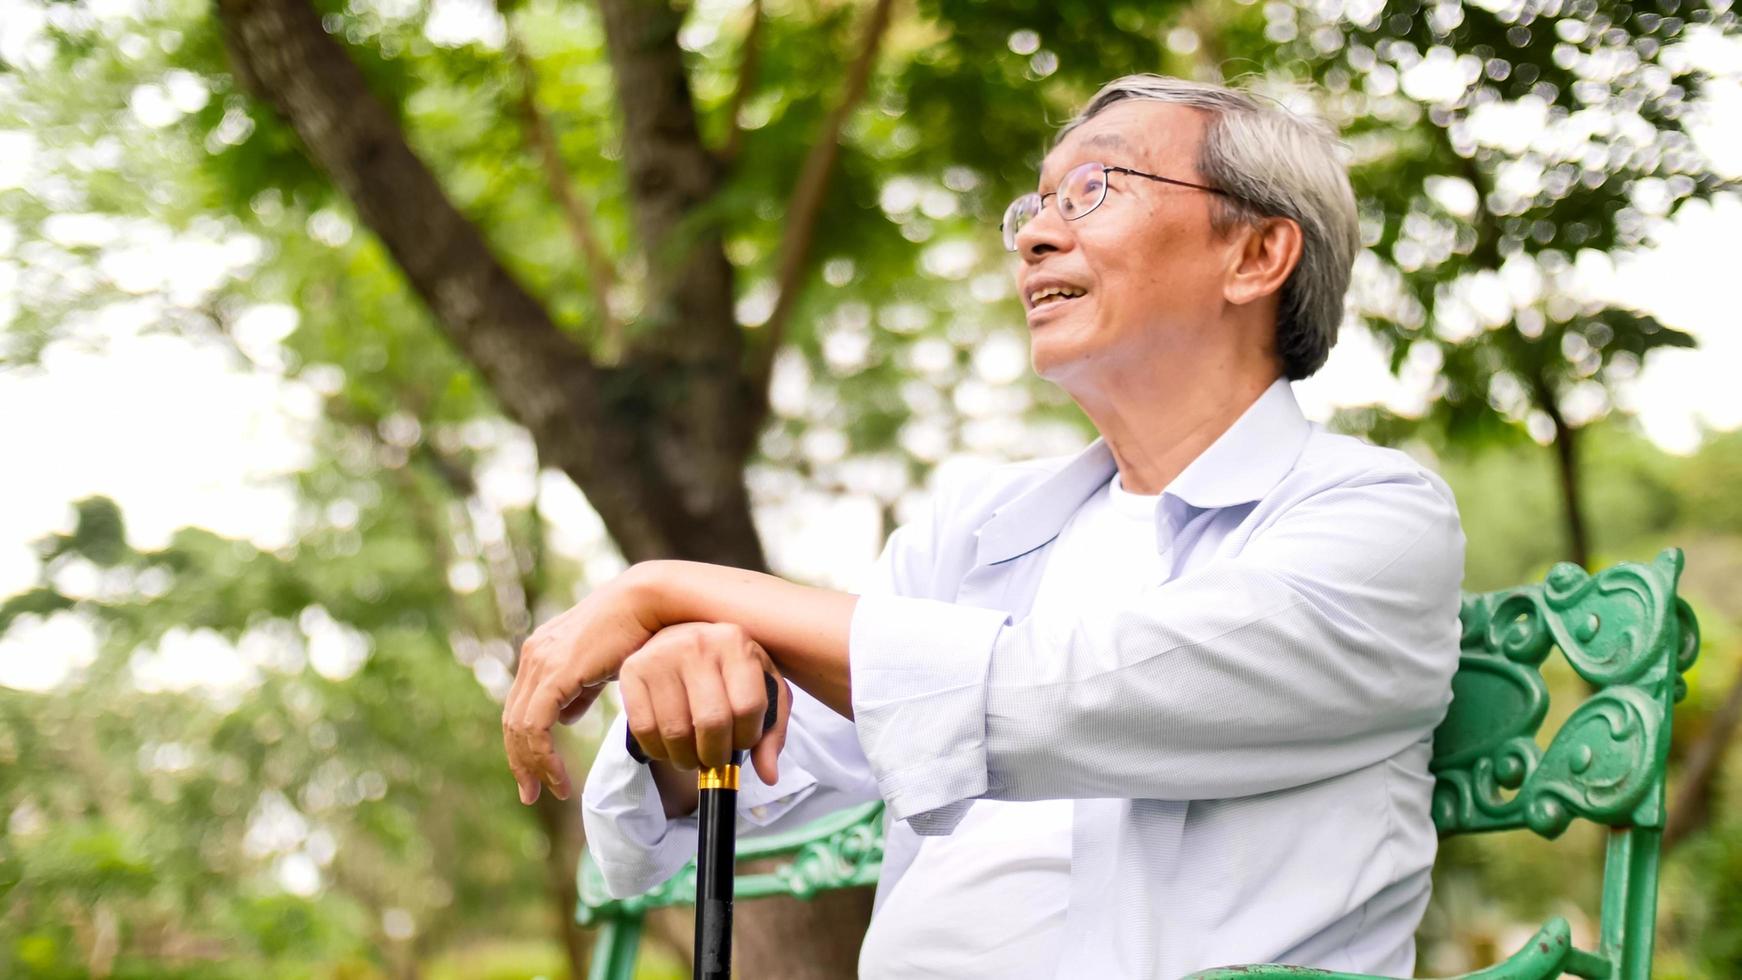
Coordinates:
<point>1628,635</point>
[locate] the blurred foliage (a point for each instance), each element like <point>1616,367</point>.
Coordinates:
<point>325,797</point>
<point>1596,95</point>
<point>249,717</point>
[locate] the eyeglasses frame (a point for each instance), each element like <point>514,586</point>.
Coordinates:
<point>1104,187</point>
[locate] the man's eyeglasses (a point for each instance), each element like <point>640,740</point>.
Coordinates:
<point>1081,191</point>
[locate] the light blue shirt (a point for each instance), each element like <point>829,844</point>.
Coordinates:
<point>1246,741</point>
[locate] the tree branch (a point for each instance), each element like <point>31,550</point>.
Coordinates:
<point>749,64</point>
<point>1486,251</point>
<point>542,379</point>
<point>806,204</point>
<point>541,140</point>
<point>1566,449</point>
<point>671,176</point>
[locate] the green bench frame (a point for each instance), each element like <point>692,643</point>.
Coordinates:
<point>1623,630</point>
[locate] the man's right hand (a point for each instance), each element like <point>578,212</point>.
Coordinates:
<point>695,693</point>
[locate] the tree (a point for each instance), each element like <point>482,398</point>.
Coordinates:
<point>1504,153</point>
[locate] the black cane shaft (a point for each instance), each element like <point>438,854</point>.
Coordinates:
<point>716,850</point>
<point>717,789</point>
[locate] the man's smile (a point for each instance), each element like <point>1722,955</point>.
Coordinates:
<point>1049,310</point>
<point>1053,294</point>
<point>1045,296</point>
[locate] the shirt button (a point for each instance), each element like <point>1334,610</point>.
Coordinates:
<point>759,811</point>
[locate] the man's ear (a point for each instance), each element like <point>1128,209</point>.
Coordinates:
<point>1269,250</point>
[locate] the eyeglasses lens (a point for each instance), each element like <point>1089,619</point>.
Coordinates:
<point>1081,191</point>
<point>1020,212</point>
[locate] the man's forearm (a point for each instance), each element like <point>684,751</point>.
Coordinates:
<point>804,629</point>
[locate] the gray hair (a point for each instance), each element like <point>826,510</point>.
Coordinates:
<point>1272,163</point>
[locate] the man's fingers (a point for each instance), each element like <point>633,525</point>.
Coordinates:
<point>519,758</point>
<point>525,772</point>
<point>529,671</point>
<point>643,724</point>
<point>585,645</point>
<point>528,675</point>
<point>559,779</point>
<point>749,696</point>
<point>527,787</point>
<point>672,707</point>
<point>566,686</point>
<point>542,709</point>
<point>766,755</point>
<point>710,712</point>
<point>551,769</point>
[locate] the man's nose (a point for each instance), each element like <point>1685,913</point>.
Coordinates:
<point>1045,232</point>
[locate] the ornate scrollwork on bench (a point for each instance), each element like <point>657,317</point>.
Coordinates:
<point>1629,636</point>
<point>848,857</point>
<point>842,850</point>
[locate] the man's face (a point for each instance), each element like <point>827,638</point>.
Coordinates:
<point>1147,262</point>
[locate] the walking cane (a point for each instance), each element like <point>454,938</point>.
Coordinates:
<point>716,850</point>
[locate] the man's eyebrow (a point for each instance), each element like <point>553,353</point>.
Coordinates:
<point>1113,140</point>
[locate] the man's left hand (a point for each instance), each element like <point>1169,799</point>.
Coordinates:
<point>564,666</point>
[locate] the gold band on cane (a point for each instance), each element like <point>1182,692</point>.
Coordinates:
<point>718,777</point>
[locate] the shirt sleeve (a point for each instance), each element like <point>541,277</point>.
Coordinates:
<point>1327,644</point>
<point>635,845</point>
<point>628,835</point>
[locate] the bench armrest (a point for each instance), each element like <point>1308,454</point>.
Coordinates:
<point>1550,953</point>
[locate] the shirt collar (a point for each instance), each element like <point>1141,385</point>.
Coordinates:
<point>1249,459</point>
<point>1241,466</point>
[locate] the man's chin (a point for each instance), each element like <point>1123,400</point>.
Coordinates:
<point>1061,338</point>
<point>1055,362</point>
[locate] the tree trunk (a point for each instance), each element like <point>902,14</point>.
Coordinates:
<point>1566,447</point>
<point>1691,808</point>
<point>561,823</point>
<point>658,444</point>
<point>1572,500</point>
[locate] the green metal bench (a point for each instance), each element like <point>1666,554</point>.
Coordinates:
<point>1624,631</point>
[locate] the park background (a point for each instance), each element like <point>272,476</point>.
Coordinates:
<point>342,342</point>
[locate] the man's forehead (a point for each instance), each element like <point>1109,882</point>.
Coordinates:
<point>1132,133</point>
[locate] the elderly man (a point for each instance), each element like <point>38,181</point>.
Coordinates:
<point>1159,706</point>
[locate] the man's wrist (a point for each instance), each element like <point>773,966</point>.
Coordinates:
<point>667,592</point>
<point>647,586</point>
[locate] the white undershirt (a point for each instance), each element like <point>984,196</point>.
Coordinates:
<point>989,899</point>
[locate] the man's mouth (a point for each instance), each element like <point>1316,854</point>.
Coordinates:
<point>1052,295</point>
